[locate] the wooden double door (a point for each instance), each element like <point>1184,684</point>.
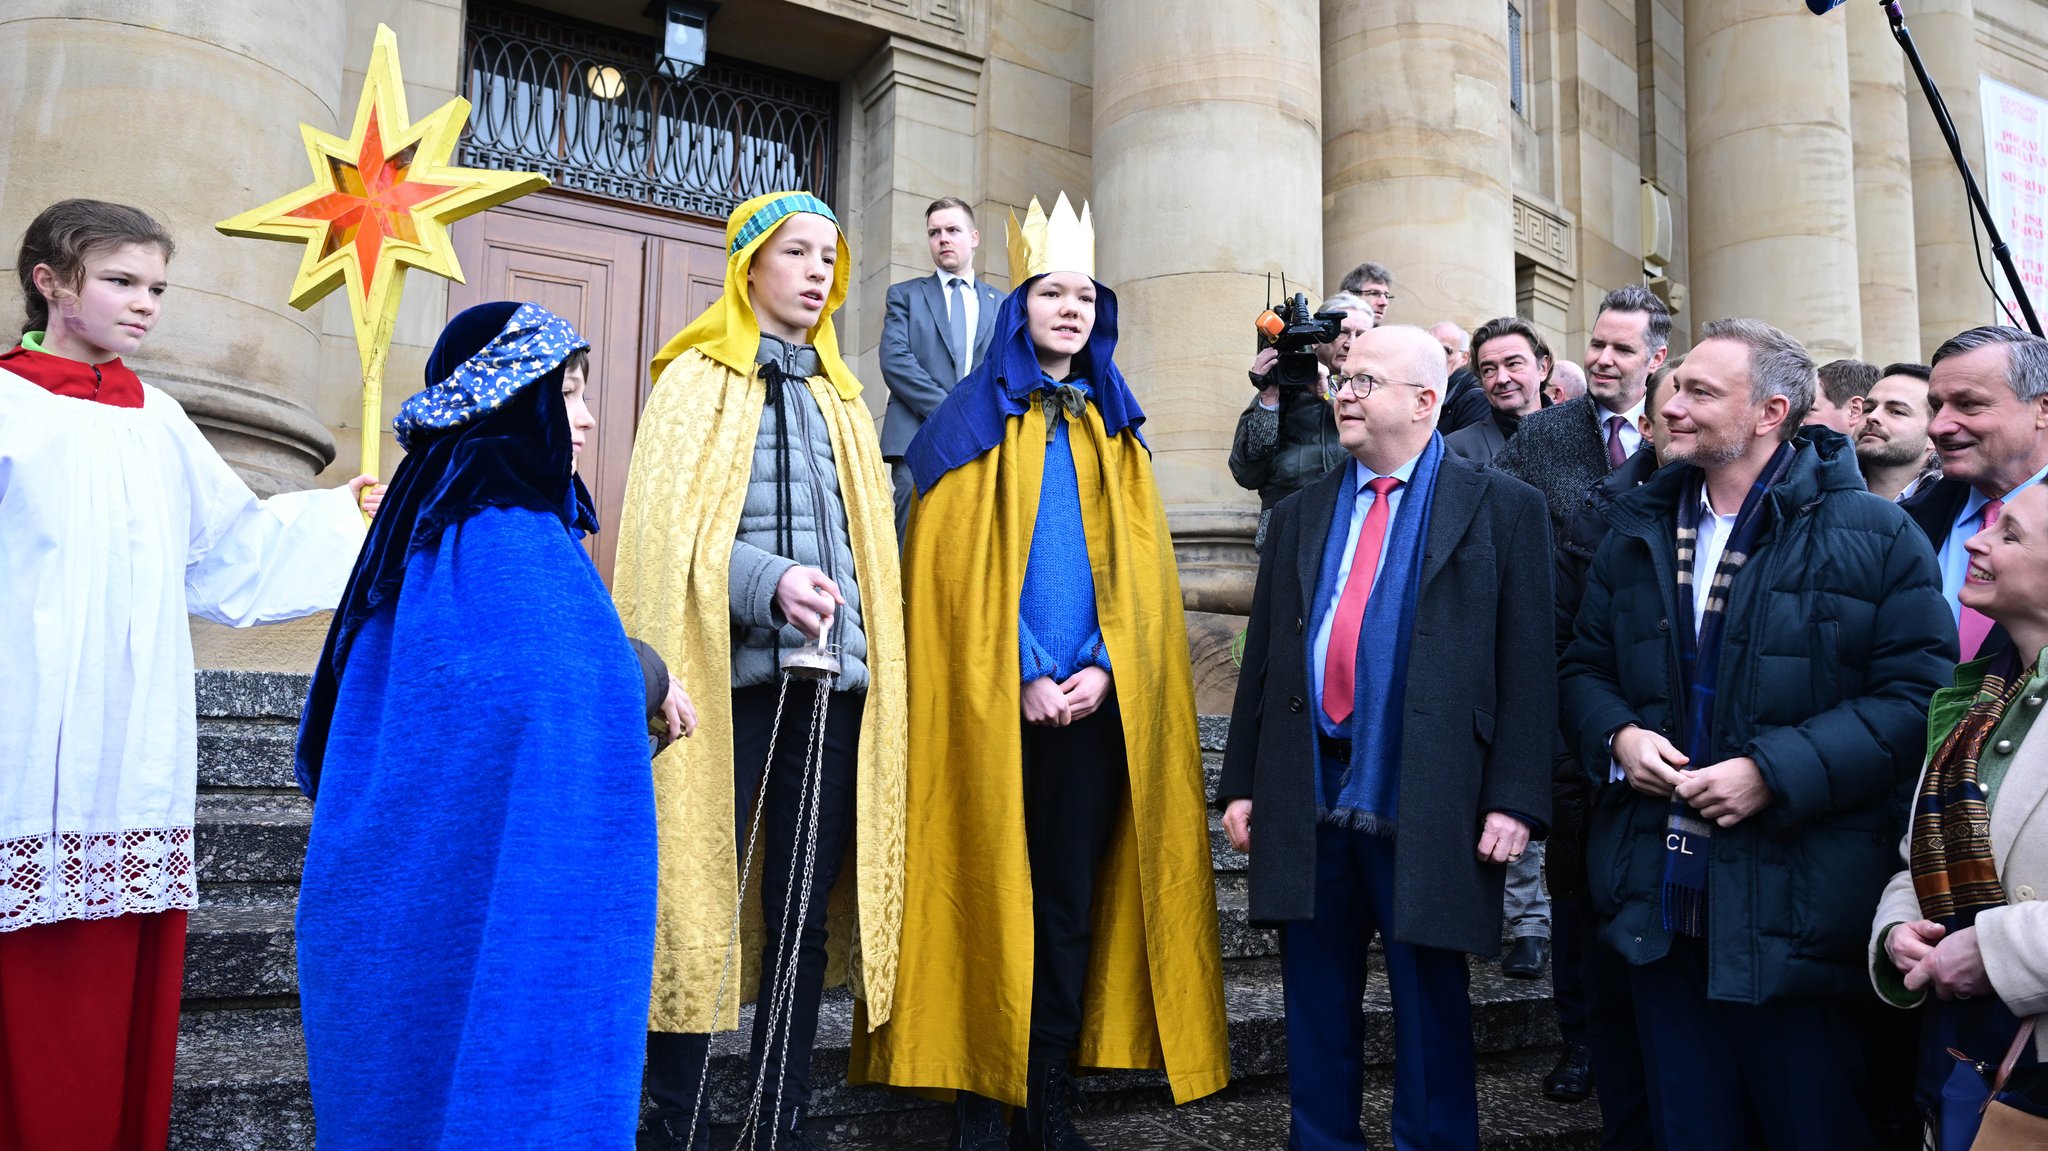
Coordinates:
<point>627,279</point>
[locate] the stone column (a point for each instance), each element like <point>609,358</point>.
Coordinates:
<point>188,109</point>
<point>1207,173</point>
<point>1885,262</point>
<point>1416,153</point>
<point>1207,178</point>
<point>1952,293</point>
<point>1767,118</point>
<point>915,126</point>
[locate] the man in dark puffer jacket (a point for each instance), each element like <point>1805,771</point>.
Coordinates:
<point>1751,770</point>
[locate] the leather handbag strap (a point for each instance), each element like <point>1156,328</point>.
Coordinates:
<point>2012,1056</point>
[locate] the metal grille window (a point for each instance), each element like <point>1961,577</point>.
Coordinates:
<point>1515,99</point>
<point>584,106</point>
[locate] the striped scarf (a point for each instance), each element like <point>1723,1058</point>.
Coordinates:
<point>1953,869</point>
<point>1689,838</point>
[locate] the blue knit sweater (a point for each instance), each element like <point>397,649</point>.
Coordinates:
<point>1058,633</point>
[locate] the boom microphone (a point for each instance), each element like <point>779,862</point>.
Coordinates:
<point>1822,7</point>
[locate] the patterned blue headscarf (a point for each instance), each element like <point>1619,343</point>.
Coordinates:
<point>527,346</point>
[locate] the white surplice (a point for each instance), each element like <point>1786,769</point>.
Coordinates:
<point>114,524</point>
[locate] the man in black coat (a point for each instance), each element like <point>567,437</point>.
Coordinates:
<point>1989,393</point>
<point>1402,618</point>
<point>1747,687</point>
<point>1563,451</point>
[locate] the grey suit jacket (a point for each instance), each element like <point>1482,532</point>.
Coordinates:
<point>918,357</point>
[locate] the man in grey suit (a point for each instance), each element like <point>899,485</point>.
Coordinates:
<point>1384,785</point>
<point>935,332</point>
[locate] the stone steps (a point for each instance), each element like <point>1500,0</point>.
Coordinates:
<point>1513,1116</point>
<point>241,1079</point>
<point>242,1069</point>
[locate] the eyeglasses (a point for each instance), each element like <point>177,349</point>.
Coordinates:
<point>1377,294</point>
<point>1364,383</point>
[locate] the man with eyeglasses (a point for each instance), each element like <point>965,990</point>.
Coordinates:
<point>1402,602</point>
<point>1374,284</point>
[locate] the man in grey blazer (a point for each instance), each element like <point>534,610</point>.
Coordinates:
<point>1381,772</point>
<point>935,332</point>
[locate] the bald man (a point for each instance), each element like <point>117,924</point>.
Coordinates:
<point>1567,382</point>
<point>1442,733</point>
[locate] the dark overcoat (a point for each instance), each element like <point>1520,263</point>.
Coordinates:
<point>1479,707</point>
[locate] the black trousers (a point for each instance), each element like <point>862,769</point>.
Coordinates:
<point>1739,1077</point>
<point>1590,986</point>
<point>675,1062</point>
<point>1074,782</point>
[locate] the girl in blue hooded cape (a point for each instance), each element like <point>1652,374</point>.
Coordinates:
<point>476,919</point>
<point>1058,906</point>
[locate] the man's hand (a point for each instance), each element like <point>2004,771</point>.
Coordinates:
<point>1045,705</point>
<point>1503,839</point>
<point>1727,792</point>
<point>807,598</point>
<point>1269,394</point>
<point>680,712</point>
<point>368,494</point>
<point>1649,760</point>
<point>1909,943</point>
<point>1086,691</point>
<point>1953,970</point>
<point>1237,824</point>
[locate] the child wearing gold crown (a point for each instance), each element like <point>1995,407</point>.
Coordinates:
<point>1058,905</point>
<point>758,518</point>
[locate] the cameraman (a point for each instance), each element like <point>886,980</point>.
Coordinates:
<point>1287,437</point>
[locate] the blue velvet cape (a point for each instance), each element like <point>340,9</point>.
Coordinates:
<point>476,917</point>
<point>975,416</point>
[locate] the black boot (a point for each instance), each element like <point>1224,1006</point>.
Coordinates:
<point>1047,1123</point>
<point>1572,1079</point>
<point>789,1132</point>
<point>978,1124</point>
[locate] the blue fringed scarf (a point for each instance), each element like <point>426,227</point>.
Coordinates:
<point>1688,838</point>
<point>1366,797</point>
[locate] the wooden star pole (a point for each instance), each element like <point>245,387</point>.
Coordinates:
<point>380,202</point>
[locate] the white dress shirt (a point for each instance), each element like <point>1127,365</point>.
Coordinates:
<point>1631,427</point>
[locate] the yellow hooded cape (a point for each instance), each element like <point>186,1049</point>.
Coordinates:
<point>684,493</point>
<point>1154,992</point>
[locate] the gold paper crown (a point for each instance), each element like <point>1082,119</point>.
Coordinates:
<point>1060,242</point>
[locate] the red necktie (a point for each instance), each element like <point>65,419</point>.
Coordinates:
<point>1615,455</point>
<point>1341,660</point>
<point>1975,625</point>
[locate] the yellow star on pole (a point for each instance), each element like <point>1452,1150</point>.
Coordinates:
<point>380,202</point>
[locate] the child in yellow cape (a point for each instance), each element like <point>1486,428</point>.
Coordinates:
<point>1059,903</point>
<point>758,516</point>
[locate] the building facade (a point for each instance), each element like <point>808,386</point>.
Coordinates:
<point>1740,156</point>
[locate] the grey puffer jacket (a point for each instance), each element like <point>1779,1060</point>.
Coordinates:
<point>818,534</point>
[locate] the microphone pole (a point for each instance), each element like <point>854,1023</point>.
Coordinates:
<point>1955,148</point>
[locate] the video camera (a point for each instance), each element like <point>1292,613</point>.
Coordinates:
<point>1295,332</point>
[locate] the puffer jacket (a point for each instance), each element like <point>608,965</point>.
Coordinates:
<point>1837,637</point>
<point>819,538</point>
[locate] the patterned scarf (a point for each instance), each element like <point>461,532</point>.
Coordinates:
<point>1953,868</point>
<point>1689,838</point>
